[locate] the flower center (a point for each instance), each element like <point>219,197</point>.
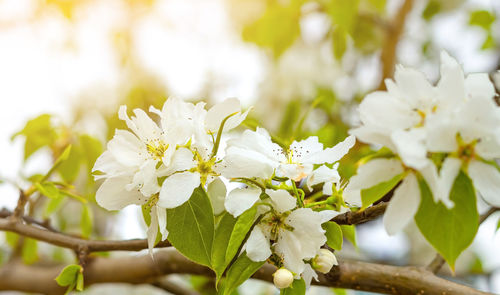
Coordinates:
<point>277,222</point>
<point>156,148</point>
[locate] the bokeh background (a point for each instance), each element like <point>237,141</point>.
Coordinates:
<point>303,65</point>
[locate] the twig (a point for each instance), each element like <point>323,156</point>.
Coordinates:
<point>358,217</point>
<point>71,242</point>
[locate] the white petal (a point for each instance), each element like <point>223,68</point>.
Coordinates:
<point>152,231</point>
<point>451,86</point>
<point>416,90</point>
<point>447,174</point>
<point>403,205</point>
<point>368,175</point>
<point>282,200</point>
<point>486,179</point>
<point>257,246</point>
<point>331,155</point>
<point>182,160</point>
<point>308,274</point>
<point>127,149</point>
<point>107,164</point>
<point>241,199</point>
<point>219,112</point>
<point>240,162</point>
<point>216,191</point>
<point>323,174</point>
<point>145,179</point>
<point>161,214</point>
<point>411,147</point>
<point>296,172</point>
<point>112,194</point>
<point>479,85</point>
<point>327,215</point>
<point>178,188</point>
<point>304,148</point>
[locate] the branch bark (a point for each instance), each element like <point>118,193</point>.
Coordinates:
<point>71,242</point>
<point>394,32</point>
<point>143,269</point>
<point>370,213</point>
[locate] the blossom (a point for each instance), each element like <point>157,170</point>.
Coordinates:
<point>293,234</point>
<point>324,261</point>
<point>254,154</point>
<point>282,278</point>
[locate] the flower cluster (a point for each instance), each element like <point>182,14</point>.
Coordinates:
<point>158,166</point>
<point>434,132</point>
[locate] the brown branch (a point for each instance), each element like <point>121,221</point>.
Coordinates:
<point>4,213</point>
<point>393,34</point>
<point>173,288</point>
<point>71,242</point>
<point>142,269</point>
<point>358,217</point>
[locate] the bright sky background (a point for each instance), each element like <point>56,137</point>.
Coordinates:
<point>184,43</point>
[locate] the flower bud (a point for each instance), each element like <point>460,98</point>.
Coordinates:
<point>324,261</point>
<point>282,278</point>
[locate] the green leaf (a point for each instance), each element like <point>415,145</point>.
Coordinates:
<point>11,239</point>
<point>277,28</point>
<point>378,5</point>
<point>242,269</point>
<point>343,13</point>
<point>489,43</point>
<point>92,149</point>
<point>349,231</point>
<point>69,164</point>
<point>498,224</point>
<point>333,234</point>
<point>433,7</point>
<point>48,189</point>
<point>191,227</point>
<point>79,281</point>
<point>240,232</point>
<point>482,18</point>
<point>52,206</point>
<point>449,231</point>
<point>38,132</point>
<point>69,275</point>
<point>86,221</point>
<point>374,193</point>
<point>221,239</point>
<point>298,287</point>
<point>339,42</point>
<point>30,251</point>
<point>229,237</point>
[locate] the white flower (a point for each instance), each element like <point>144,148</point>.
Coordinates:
<point>324,261</point>
<point>282,278</point>
<point>323,174</point>
<point>294,235</point>
<point>255,155</point>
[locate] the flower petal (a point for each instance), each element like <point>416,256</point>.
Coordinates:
<point>403,205</point>
<point>178,188</point>
<point>112,194</point>
<point>152,231</point>
<point>486,179</point>
<point>241,199</point>
<point>411,147</point>
<point>127,149</point>
<point>220,111</point>
<point>161,214</point>
<point>370,174</point>
<point>331,155</point>
<point>323,174</point>
<point>282,200</point>
<point>257,246</point>
<point>216,191</point>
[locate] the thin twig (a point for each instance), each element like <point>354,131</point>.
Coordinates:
<point>370,213</point>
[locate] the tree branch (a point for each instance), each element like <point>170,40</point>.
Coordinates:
<point>393,34</point>
<point>71,242</point>
<point>143,269</point>
<point>370,213</point>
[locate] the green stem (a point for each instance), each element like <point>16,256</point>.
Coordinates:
<point>219,134</point>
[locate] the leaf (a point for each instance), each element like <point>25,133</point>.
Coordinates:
<point>433,7</point>
<point>343,13</point>
<point>221,239</point>
<point>333,234</point>
<point>240,231</point>
<point>378,5</point>
<point>276,29</point>
<point>191,227</point>
<point>298,287</point>
<point>482,18</point>
<point>498,225</point>
<point>48,189</point>
<point>52,206</point>
<point>79,281</point>
<point>30,251</point>
<point>374,193</point>
<point>349,232</point>
<point>339,42</point>
<point>449,231</point>
<point>38,133</point>
<point>231,233</point>
<point>242,269</point>
<point>69,275</point>
<point>69,165</point>
<point>92,149</point>
<point>86,221</point>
